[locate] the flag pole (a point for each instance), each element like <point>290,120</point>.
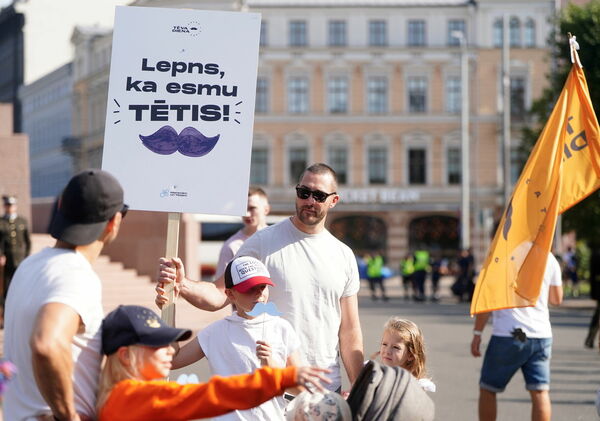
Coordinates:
<point>172,244</point>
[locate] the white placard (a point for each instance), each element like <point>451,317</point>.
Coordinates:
<point>180,108</point>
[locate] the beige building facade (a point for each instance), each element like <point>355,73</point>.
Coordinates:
<point>372,88</point>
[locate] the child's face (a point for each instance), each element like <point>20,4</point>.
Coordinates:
<point>393,350</point>
<point>245,301</point>
<point>155,363</point>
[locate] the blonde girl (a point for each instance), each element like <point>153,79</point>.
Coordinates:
<point>402,345</point>
<point>139,355</point>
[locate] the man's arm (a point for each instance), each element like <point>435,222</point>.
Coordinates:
<point>209,296</point>
<point>51,357</point>
<point>555,295</point>
<point>350,337</point>
<point>480,322</point>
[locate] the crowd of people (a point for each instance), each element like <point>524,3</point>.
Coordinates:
<point>293,288</point>
<point>75,364</point>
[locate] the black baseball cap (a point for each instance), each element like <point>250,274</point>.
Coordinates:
<point>88,202</point>
<point>136,325</point>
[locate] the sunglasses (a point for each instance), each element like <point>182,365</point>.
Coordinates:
<point>304,193</point>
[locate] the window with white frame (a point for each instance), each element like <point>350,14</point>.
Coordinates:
<point>456,25</point>
<point>259,166</point>
<point>515,32</point>
<point>416,33</point>
<point>453,165</point>
<point>417,165</point>
<point>337,94</point>
<point>297,161</point>
<point>377,94</point>
<point>517,97</point>
<point>453,94</point>
<point>529,34</point>
<point>337,33</point>
<point>377,164</point>
<point>262,95</point>
<point>498,33</point>
<point>298,35</point>
<point>417,94</point>
<point>337,157</point>
<point>298,95</point>
<point>378,33</point>
<point>264,33</point>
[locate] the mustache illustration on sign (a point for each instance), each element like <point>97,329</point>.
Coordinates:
<point>190,142</point>
<point>260,308</point>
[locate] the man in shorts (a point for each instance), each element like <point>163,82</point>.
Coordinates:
<point>521,339</point>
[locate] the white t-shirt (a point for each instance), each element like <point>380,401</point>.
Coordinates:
<point>52,276</point>
<point>534,321</point>
<point>311,272</point>
<point>228,250</point>
<point>230,348</point>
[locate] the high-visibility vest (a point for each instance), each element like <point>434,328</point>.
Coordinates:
<point>374,266</point>
<point>421,260</point>
<point>407,266</point>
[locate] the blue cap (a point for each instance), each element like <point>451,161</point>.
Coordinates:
<point>136,325</point>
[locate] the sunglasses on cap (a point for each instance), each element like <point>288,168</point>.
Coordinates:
<point>304,193</point>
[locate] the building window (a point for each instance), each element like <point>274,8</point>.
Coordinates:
<point>337,33</point>
<point>416,166</point>
<point>259,166</point>
<point>377,95</point>
<point>338,159</point>
<point>517,97</point>
<point>457,25</point>
<point>298,158</point>
<point>517,162</point>
<point>262,95</point>
<point>453,165</point>
<point>337,93</point>
<point>453,94</point>
<point>264,33</point>
<point>417,94</point>
<point>377,156</point>
<point>416,33</point>
<point>515,32</point>
<point>498,33</point>
<point>298,35</point>
<point>377,33</point>
<point>529,33</point>
<point>298,95</point>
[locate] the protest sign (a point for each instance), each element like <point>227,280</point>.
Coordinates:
<point>180,109</point>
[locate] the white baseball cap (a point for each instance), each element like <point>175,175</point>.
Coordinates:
<point>245,272</point>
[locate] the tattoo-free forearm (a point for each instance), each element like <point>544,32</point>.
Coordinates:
<point>204,295</point>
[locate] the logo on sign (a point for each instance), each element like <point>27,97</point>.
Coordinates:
<point>192,28</point>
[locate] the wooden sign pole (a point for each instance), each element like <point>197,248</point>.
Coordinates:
<point>168,310</point>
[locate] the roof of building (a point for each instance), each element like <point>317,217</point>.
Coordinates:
<point>356,3</point>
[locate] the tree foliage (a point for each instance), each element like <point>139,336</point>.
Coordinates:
<point>584,23</point>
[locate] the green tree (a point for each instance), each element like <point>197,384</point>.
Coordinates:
<point>584,23</point>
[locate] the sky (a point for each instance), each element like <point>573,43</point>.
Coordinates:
<point>49,25</point>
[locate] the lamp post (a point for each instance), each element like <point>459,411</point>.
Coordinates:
<point>465,223</point>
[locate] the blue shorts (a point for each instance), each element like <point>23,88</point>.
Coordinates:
<point>504,356</point>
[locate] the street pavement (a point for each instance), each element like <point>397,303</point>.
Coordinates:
<point>447,328</point>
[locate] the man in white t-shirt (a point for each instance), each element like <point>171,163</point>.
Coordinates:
<point>254,220</point>
<point>521,339</point>
<point>54,307</point>
<point>315,274</point>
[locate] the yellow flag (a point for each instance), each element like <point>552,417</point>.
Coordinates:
<point>563,169</point>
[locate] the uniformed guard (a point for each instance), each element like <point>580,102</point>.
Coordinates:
<point>15,243</point>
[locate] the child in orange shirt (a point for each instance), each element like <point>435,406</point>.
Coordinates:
<point>137,345</point>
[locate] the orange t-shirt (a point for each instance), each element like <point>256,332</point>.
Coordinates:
<point>133,400</point>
